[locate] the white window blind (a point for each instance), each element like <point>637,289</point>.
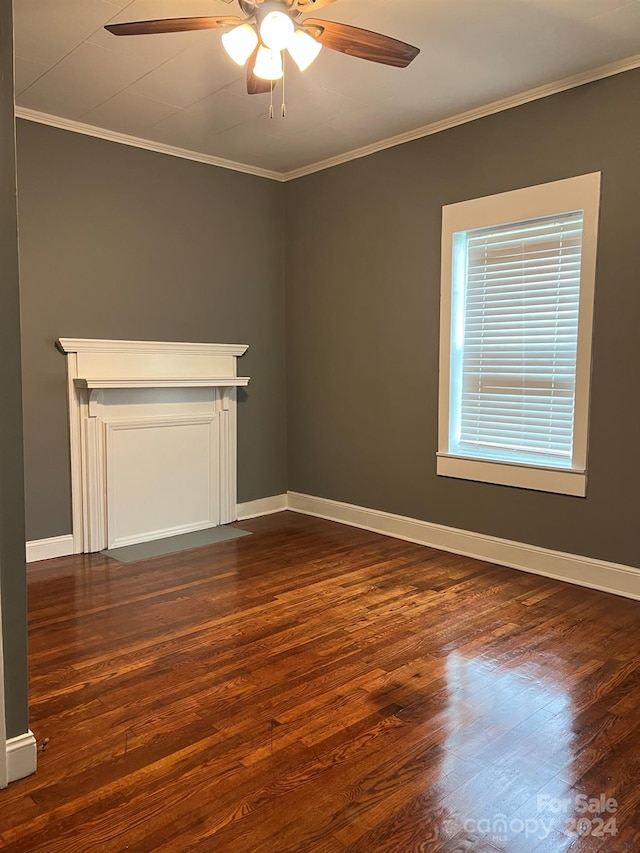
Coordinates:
<point>516,297</point>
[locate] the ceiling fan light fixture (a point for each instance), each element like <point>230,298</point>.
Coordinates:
<point>240,42</point>
<point>268,64</point>
<point>276,30</point>
<point>303,49</point>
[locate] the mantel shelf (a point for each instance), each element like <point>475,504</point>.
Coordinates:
<point>163,382</point>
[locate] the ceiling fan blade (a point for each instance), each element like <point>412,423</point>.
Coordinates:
<point>172,25</point>
<point>364,44</point>
<point>306,6</point>
<point>256,85</point>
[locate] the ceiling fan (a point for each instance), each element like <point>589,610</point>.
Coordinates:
<point>271,26</point>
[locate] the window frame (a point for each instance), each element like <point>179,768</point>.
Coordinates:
<point>544,200</point>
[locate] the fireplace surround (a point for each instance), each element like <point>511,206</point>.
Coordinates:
<point>152,438</point>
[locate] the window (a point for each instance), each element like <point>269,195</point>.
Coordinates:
<point>518,273</point>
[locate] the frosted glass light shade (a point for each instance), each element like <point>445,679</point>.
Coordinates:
<point>276,30</point>
<point>268,64</point>
<point>240,42</point>
<point>303,49</point>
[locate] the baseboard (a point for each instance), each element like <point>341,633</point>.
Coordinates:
<point>63,546</point>
<point>47,549</point>
<point>583,571</point>
<point>572,568</point>
<point>262,506</point>
<point>22,756</point>
<point>155,535</point>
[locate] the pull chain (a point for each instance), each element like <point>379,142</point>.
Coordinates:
<point>271,104</point>
<point>284,68</point>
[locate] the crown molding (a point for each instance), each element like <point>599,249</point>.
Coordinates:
<point>137,142</point>
<point>591,76</point>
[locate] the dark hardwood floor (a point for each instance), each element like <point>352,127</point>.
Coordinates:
<point>318,688</point>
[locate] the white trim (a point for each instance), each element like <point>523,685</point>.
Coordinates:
<point>216,487</point>
<point>571,568</point>
<point>262,506</point>
<point>22,756</point>
<point>519,205</point>
<point>525,97</point>
<point>563,481</point>
<point>77,410</point>
<point>49,549</point>
<point>518,100</point>
<point>62,546</point>
<point>155,535</point>
<point>3,729</point>
<point>96,365</point>
<point>146,144</point>
<point>150,347</point>
<point>582,571</point>
<point>210,382</point>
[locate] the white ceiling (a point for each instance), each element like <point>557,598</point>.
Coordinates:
<point>182,90</point>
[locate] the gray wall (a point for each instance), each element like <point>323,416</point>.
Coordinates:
<point>12,568</point>
<point>363,320</point>
<point>117,242</point>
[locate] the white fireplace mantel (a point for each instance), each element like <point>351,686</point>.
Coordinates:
<point>168,363</point>
<point>121,390</point>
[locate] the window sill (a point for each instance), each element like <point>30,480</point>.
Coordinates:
<point>559,480</point>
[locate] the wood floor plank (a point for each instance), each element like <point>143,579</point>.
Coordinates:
<point>314,688</point>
